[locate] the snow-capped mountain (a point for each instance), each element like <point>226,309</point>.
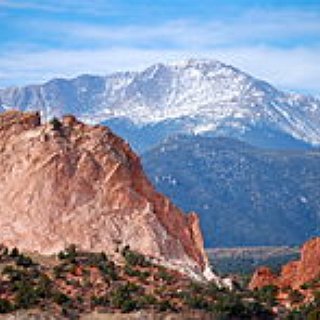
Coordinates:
<point>196,96</point>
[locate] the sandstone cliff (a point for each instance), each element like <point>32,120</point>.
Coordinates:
<point>295,273</point>
<point>82,184</point>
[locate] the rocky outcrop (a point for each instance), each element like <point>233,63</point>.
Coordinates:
<point>262,277</point>
<point>74,183</point>
<point>295,273</point>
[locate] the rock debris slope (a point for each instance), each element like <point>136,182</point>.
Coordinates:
<point>82,184</point>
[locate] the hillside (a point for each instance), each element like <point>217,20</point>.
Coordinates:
<point>84,285</point>
<point>245,196</point>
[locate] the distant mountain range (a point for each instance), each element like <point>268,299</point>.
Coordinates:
<point>244,195</point>
<point>202,97</point>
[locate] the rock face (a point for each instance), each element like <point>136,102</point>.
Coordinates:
<point>82,184</point>
<point>262,277</point>
<point>295,273</point>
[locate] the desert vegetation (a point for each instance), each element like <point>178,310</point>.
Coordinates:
<point>77,282</point>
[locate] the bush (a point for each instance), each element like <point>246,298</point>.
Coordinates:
<point>128,306</point>
<point>296,296</point>
<point>134,258</point>
<point>5,306</point>
<point>44,287</point>
<point>60,298</point>
<point>267,295</point>
<point>95,259</point>
<point>196,302</point>
<point>122,297</point>
<point>70,253</point>
<point>14,274</point>
<point>14,253</point>
<point>109,269</point>
<point>100,301</point>
<point>165,305</point>
<point>146,300</point>
<point>136,273</point>
<point>164,275</point>
<point>26,296</point>
<point>314,315</point>
<point>228,307</point>
<point>56,124</point>
<point>24,261</point>
<point>213,290</point>
<point>58,271</point>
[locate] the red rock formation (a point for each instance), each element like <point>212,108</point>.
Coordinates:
<point>295,273</point>
<point>84,185</point>
<point>261,278</point>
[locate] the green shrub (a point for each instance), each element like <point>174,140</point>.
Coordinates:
<point>5,306</point>
<point>14,253</point>
<point>228,307</point>
<point>306,286</point>
<point>26,296</point>
<point>123,296</point>
<point>196,302</point>
<point>128,305</point>
<point>142,275</point>
<point>70,253</point>
<point>108,268</point>
<point>314,315</point>
<point>212,290</point>
<point>56,124</point>
<point>60,298</point>
<point>14,274</point>
<point>164,275</point>
<point>166,305</point>
<point>58,271</point>
<point>95,259</point>
<point>100,301</point>
<point>44,287</point>
<point>146,300</point>
<point>24,261</point>
<point>267,295</point>
<point>133,258</point>
<point>296,296</point>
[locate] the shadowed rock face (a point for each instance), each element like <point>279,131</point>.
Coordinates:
<point>295,273</point>
<point>82,184</point>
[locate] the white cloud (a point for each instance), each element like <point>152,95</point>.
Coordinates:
<point>282,47</point>
<point>254,26</point>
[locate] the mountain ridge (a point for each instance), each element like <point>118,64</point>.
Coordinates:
<point>195,96</point>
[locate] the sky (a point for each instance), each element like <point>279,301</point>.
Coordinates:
<point>278,41</point>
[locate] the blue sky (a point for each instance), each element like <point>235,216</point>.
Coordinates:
<point>278,41</point>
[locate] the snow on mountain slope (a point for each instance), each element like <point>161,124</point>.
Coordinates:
<point>205,96</point>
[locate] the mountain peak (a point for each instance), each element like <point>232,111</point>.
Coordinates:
<point>197,63</point>
<point>203,96</point>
